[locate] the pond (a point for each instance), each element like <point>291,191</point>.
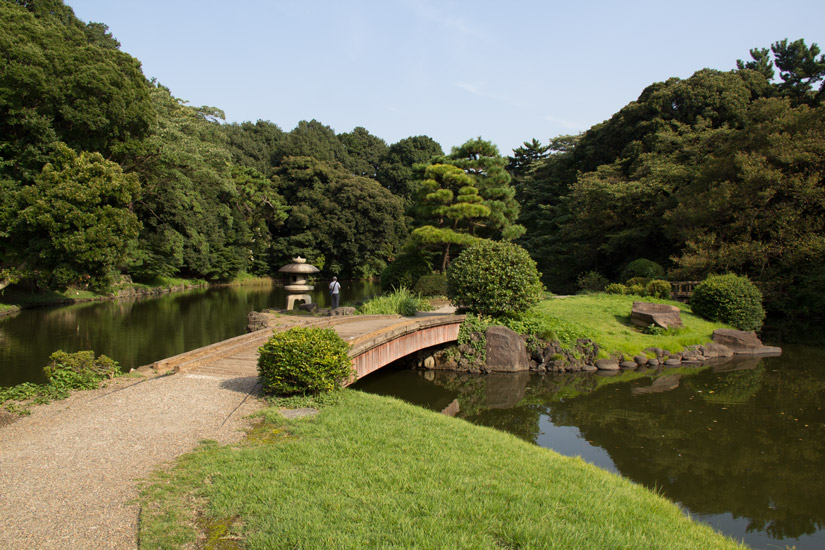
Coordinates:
<point>739,445</point>
<point>137,332</point>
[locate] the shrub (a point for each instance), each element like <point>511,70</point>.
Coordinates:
<point>408,267</point>
<point>494,278</point>
<point>79,370</point>
<point>592,281</point>
<point>659,289</point>
<point>432,285</point>
<point>731,299</point>
<point>636,290</point>
<point>615,288</point>
<point>400,301</point>
<point>637,281</point>
<point>304,360</point>
<point>642,268</point>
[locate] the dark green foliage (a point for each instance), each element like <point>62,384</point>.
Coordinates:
<point>74,223</point>
<point>405,270</point>
<point>730,299</point>
<point>592,281</point>
<point>349,224</point>
<point>304,361</point>
<point>494,278</point>
<point>396,168</point>
<point>364,152</point>
<point>659,288</point>
<point>434,284</point>
<point>642,267</point>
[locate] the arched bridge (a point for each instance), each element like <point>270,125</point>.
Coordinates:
<point>375,341</point>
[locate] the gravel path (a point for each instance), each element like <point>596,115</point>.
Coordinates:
<point>69,472</point>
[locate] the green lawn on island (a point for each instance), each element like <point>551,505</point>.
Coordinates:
<point>374,472</point>
<point>605,319</point>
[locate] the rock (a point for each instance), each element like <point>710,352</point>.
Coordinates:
<point>653,363</point>
<point>590,368</point>
<point>743,342</point>
<point>607,364</point>
<point>628,365</point>
<point>452,409</point>
<point>673,362</point>
<point>506,351</point>
<point>644,314</point>
<point>713,350</point>
<point>658,351</point>
<point>429,362</point>
<point>312,308</point>
<point>641,359</point>
<point>257,320</point>
<point>340,311</point>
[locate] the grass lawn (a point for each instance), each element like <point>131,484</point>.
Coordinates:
<point>374,472</point>
<point>605,319</point>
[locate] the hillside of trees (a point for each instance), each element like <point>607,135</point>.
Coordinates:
<point>105,173</point>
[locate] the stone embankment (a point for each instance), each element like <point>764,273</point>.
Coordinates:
<point>507,351</point>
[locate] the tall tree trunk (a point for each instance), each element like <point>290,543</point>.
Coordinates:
<point>445,258</point>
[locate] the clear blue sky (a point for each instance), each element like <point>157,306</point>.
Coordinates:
<point>507,71</point>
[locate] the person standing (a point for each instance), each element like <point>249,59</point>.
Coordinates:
<point>335,291</point>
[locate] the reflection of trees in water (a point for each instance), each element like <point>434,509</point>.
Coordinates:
<point>720,442</point>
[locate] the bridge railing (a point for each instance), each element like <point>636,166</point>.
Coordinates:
<point>683,290</point>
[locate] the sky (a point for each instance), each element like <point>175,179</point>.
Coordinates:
<point>507,71</point>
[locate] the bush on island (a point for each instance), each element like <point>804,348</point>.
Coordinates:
<point>304,360</point>
<point>495,278</point>
<point>642,267</point>
<point>731,299</point>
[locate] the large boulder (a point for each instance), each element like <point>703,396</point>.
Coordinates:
<point>644,314</point>
<point>506,351</point>
<point>743,342</point>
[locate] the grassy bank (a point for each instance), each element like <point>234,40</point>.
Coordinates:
<point>373,472</point>
<point>14,298</point>
<point>605,319</point>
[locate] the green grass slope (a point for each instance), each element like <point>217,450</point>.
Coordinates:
<point>374,472</point>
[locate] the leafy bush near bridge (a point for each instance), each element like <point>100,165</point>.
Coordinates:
<point>304,360</point>
<point>494,278</point>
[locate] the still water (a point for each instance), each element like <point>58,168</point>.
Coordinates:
<point>137,332</point>
<point>739,445</point>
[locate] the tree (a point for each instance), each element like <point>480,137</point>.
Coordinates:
<point>464,196</point>
<point>344,224</point>
<point>313,139</point>
<point>523,157</point>
<point>800,70</point>
<point>75,223</point>
<point>364,150</point>
<point>395,171</point>
<point>257,145</point>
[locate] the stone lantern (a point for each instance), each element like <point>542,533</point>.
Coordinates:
<point>298,287</point>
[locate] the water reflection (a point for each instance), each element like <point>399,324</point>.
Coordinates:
<point>139,331</point>
<point>740,444</point>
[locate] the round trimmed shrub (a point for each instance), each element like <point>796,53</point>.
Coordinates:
<point>494,278</point>
<point>659,289</point>
<point>636,290</point>
<point>432,285</point>
<point>304,360</point>
<point>731,299</point>
<point>642,267</point>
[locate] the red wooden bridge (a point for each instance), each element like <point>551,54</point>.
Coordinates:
<point>375,341</point>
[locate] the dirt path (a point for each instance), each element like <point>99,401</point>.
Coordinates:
<point>69,472</point>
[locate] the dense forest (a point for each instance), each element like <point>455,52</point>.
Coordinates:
<point>104,173</point>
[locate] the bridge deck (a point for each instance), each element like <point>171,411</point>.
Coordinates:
<point>238,357</point>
